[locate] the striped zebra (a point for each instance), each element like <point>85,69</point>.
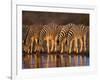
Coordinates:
<point>25,41</point>
<point>49,33</point>
<point>75,34</point>
<point>33,36</point>
<point>43,33</point>
<point>85,31</point>
<point>36,28</point>
<point>63,35</point>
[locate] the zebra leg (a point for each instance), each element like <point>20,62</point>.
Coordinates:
<point>62,44</point>
<point>52,42</point>
<point>55,45</point>
<point>76,46</point>
<point>31,46</point>
<point>81,45</point>
<point>67,48</point>
<point>48,50</point>
<point>70,47</point>
<point>28,53</point>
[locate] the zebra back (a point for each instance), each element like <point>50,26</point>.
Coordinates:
<point>64,31</point>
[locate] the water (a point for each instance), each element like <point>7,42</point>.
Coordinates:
<point>53,60</point>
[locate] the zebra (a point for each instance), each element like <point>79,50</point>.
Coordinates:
<point>74,35</point>
<point>49,33</point>
<point>36,28</point>
<point>77,32</point>
<point>63,35</point>
<point>25,39</point>
<point>32,38</point>
<point>85,31</point>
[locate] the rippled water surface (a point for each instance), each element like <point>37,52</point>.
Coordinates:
<point>53,60</point>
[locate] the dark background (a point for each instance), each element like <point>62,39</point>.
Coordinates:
<point>32,17</point>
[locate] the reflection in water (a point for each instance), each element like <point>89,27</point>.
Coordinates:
<point>53,60</point>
